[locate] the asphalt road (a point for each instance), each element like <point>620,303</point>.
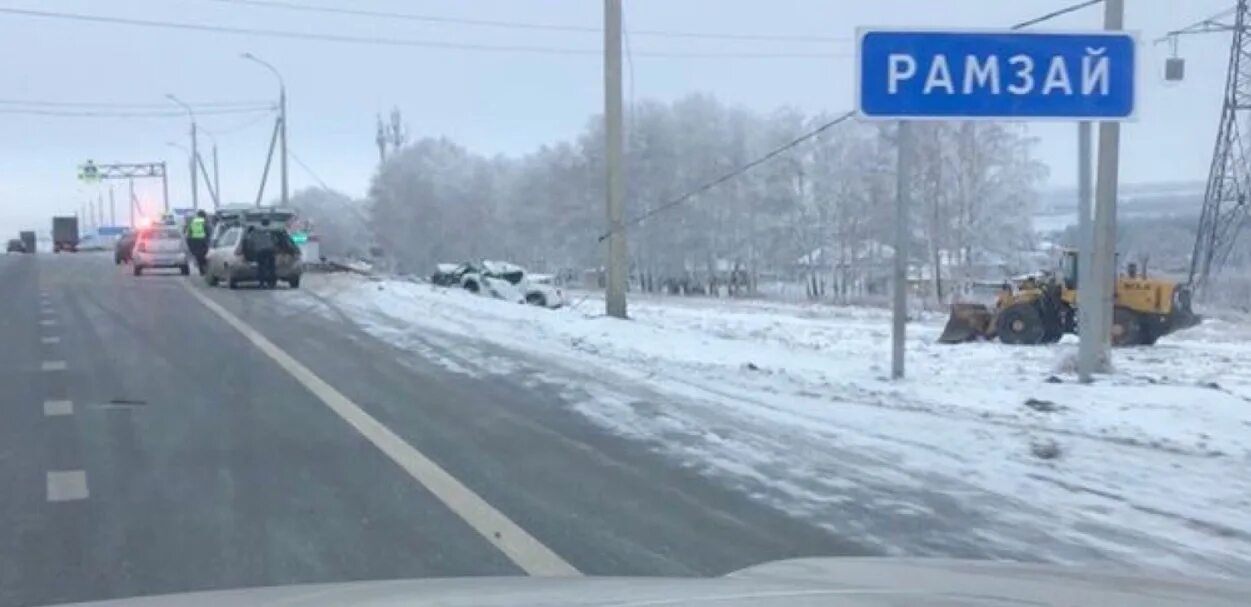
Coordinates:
<point>148,445</point>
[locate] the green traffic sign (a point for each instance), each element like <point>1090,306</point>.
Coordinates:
<point>89,172</point>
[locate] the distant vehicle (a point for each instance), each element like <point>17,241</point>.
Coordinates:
<point>15,246</point>
<point>28,240</point>
<point>229,262</point>
<point>64,234</point>
<point>94,242</point>
<point>501,280</point>
<point>160,247</point>
<point>124,247</point>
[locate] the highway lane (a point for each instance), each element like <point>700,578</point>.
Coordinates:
<point>205,465</point>
<point>192,460</point>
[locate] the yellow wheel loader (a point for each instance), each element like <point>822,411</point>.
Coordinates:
<point>1040,309</point>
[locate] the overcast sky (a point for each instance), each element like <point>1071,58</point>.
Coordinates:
<point>492,101</point>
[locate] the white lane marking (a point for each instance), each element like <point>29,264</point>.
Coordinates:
<point>516,543</point>
<point>54,365</point>
<point>58,407</point>
<point>48,322</point>
<point>67,485</point>
<point>51,340</point>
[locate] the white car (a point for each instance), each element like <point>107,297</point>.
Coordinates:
<point>501,280</point>
<point>161,247</point>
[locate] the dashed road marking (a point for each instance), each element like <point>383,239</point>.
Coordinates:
<point>50,340</point>
<point>58,407</point>
<point>67,485</point>
<point>516,543</point>
<point>48,322</point>
<point>54,365</point>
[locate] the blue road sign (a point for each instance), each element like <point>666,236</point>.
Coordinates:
<point>1010,75</point>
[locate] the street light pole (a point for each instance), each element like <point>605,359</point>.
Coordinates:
<point>195,196</point>
<point>282,121</point>
<point>213,182</point>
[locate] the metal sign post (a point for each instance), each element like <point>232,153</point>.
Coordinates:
<point>1088,310</point>
<point>899,288</point>
<point>999,75</point>
<point>91,172</point>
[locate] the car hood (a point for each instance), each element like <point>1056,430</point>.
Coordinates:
<point>834,582</point>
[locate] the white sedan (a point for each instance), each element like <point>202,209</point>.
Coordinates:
<point>501,280</point>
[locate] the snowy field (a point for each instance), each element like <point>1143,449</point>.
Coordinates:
<point>984,451</point>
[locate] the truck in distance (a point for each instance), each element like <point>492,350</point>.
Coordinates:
<point>64,234</point>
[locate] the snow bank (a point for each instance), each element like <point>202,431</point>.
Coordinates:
<point>984,451</point>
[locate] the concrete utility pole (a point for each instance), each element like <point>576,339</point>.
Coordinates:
<point>899,294</point>
<point>131,204</point>
<point>282,121</point>
<point>164,187</point>
<point>217,181</point>
<point>615,296</point>
<point>112,207</point>
<point>1103,272</point>
<point>195,193</point>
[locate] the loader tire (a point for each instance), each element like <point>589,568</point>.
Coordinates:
<point>1126,328</point>
<point>1021,324</point>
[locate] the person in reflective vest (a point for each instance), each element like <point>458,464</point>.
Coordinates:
<point>197,238</point>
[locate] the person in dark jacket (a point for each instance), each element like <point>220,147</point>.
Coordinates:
<point>260,241</point>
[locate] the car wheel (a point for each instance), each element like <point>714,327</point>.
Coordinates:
<point>536,299</point>
<point>138,270</point>
<point>294,282</point>
<point>184,270</point>
<point>211,279</point>
<point>472,286</point>
<point>232,282</point>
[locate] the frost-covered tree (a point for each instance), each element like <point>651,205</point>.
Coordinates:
<point>821,212</point>
<point>339,221</point>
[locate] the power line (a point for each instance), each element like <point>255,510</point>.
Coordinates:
<point>133,106</point>
<point>736,172</point>
<point>1056,13</point>
<point>402,42</point>
<point>124,114</point>
<point>292,6</point>
<point>806,136</point>
<point>1203,26</point>
<point>308,170</point>
<point>234,128</point>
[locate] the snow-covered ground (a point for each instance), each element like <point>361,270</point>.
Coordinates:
<point>791,404</point>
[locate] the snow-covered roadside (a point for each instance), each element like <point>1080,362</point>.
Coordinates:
<point>790,403</point>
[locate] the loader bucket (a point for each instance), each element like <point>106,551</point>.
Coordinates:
<point>968,321</point>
